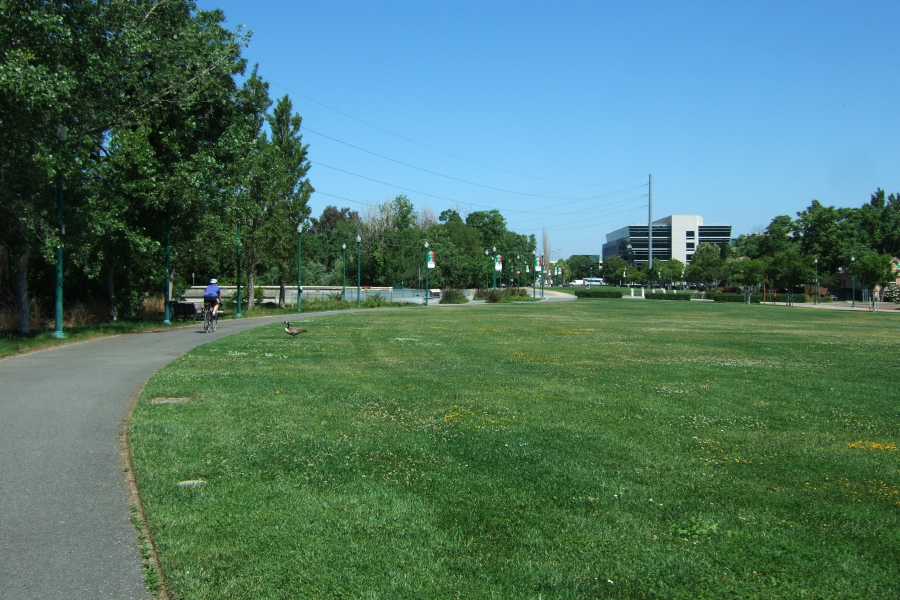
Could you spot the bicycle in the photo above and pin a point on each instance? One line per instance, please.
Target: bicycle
(210, 320)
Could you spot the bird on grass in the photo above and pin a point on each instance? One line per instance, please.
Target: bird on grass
(292, 331)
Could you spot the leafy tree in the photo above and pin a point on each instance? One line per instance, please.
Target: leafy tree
(706, 265)
(287, 193)
(749, 274)
(580, 266)
(650, 274)
(873, 269)
(614, 269)
(491, 225)
(671, 270)
(789, 269)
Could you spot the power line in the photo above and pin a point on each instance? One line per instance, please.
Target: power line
(412, 141)
(481, 185)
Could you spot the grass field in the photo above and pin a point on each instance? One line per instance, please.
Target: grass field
(590, 449)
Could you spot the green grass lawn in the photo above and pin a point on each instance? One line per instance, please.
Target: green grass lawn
(591, 449)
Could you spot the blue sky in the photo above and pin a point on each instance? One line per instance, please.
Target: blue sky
(555, 113)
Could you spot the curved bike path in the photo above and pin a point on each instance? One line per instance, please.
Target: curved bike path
(65, 516)
(65, 519)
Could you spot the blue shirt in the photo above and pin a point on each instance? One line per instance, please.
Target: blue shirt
(212, 291)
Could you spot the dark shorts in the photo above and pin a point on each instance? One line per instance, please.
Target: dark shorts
(210, 300)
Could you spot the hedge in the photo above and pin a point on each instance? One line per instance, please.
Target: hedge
(597, 293)
(798, 297)
(671, 296)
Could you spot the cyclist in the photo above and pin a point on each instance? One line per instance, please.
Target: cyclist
(212, 296)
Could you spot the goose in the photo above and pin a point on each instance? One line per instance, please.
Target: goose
(292, 331)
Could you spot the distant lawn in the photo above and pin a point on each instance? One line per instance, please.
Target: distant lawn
(590, 449)
(12, 342)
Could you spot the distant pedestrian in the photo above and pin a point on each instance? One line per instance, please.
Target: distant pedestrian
(774, 297)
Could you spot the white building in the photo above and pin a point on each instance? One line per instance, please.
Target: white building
(675, 236)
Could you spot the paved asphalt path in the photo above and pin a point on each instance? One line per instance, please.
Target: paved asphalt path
(65, 530)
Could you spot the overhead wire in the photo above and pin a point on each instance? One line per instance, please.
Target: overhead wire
(423, 145)
(547, 212)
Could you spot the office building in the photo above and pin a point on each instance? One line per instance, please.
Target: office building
(675, 236)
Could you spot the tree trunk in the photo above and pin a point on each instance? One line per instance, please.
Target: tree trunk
(251, 301)
(111, 293)
(282, 294)
(6, 291)
(23, 303)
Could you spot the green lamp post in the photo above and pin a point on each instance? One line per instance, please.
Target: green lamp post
(238, 313)
(853, 278)
(299, 264)
(816, 293)
(427, 260)
(358, 269)
(344, 284)
(58, 330)
(494, 250)
(168, 263)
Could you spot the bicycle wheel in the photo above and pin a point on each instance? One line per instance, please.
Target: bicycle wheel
(215, 321)
(207, 320)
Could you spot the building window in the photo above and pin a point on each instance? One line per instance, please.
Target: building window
(690, 245)
(690, 235)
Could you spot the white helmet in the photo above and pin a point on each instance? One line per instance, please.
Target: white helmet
(213, 281)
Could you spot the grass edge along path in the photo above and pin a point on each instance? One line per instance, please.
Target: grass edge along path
(572, 450)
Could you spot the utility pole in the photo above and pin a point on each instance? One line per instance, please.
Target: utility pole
(650, 227)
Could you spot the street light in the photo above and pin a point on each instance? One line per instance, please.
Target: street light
(344, 284)
(486, 255)
(494, 250)
(518, 273)
(427, 256)
(816, 296)
(358, 269)
(239, 302)
(853, 278)
(299, 263)
(58, 332)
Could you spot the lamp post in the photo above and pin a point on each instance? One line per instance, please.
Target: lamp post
(853, 278)
(168, 262)
(816, 293)
(238, 313)
(299, 263)
(427, 256)
(488, 260)
(358, 269)
(58, 331)
(344, 284)
(534, 278)
(625, 276)
(494, 250)
(543, 274)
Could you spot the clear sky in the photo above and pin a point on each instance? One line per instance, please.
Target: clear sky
(555, 113)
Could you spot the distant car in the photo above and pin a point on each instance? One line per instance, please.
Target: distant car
(577, 282)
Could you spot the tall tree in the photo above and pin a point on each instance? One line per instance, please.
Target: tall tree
(288, 190)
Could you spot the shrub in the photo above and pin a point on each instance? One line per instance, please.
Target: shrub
(492, 296)
(374, 301)
(675, 296)
(729, 297)
(598, 293)
(453, 296)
